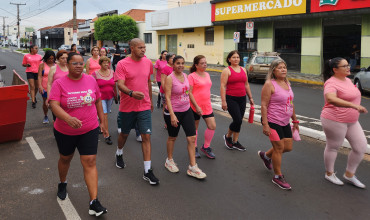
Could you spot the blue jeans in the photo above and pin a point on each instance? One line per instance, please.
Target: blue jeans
(353, 63)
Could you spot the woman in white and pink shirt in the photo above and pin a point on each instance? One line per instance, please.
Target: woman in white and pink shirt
(339, 119)
(178, 112)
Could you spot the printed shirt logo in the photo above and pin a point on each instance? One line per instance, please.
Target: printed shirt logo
(328, 2)
(289, 104)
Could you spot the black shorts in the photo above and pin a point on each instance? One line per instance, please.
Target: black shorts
(282, 131)
(197, 117)
(186, 120)
(87, 144)
(34, 76)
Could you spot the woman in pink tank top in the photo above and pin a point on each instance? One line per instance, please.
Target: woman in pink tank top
(92, 64)
(277, 109)
(57, 71)
(200, 91)
(44, 68)
(178, 113)
(234, 88)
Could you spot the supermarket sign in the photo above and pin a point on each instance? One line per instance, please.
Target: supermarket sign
(336, 5)
(241, 9)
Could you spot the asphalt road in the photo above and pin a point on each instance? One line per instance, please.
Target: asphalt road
(237, 185)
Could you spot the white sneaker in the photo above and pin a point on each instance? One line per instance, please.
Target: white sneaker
(196, 172)
(119, 130)
(354, 181)
(334, 179)
(171, 166)
(139, 139)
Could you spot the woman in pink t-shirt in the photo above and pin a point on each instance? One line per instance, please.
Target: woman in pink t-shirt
(44, 69)
(200, 91)
(276, 111)
(339, 119)
(75, 100)
(92, 64)
(32, 61)
(104, 78)
(178, 113)
(234, 90)
(158, 67)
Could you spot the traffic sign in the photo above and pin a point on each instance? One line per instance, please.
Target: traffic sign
(236, 37)
(249, 29)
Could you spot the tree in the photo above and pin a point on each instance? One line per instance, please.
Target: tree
(115, 28)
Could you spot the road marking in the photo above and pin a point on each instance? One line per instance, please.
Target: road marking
(68, 209)
(35, 148)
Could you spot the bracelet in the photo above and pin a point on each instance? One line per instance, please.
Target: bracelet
(295, 122)
(130, 93)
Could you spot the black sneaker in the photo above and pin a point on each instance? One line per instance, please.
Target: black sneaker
(108, 140)
(228, 142)
(150, 177)
(62, 191)
(33, 104)
(96, 208)
(238, 146)
(119, 161)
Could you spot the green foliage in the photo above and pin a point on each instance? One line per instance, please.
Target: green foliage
(116, 28)
(24, 40)
(46, 49)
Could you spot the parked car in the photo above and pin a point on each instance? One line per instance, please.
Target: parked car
(125, 49)
(259, 64)
(362, 80)
(64, 47)
(80, 49)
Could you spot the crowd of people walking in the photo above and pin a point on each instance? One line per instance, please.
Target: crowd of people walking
(80, 103)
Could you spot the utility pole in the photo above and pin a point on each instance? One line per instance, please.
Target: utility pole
(18, 21)
(4, 26)
(74, 22)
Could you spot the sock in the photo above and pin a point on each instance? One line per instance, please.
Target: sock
(64, 182)
(119, 151)
(266, 157)
(208, 135)
(167, 160)
(196, 138)
(147, 165)
(276, 176)
(92, 201)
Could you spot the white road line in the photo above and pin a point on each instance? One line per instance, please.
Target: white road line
(68, 209)
(35, 148)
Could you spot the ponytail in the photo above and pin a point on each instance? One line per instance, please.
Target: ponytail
(328, 67)
(196, 60)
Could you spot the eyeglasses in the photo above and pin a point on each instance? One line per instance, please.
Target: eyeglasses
(77, 63)
(345, 66)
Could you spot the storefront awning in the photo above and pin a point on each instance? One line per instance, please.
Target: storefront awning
(83, 34)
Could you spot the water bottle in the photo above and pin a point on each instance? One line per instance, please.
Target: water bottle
(251, 114)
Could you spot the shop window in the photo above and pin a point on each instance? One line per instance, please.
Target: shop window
(288, 44)
(190, 45)
(148, 38)
(209, 33)
(188, 30)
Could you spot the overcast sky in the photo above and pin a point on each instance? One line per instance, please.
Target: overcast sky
(62, 12)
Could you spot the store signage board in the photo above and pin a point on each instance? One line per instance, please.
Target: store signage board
(335, 5)
(242, 9)
(236, 37)
(249, 29)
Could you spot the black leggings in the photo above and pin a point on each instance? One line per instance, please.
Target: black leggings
(159, 94)
(236, 107)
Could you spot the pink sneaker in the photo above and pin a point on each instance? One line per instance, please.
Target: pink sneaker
(281, 182)
(266, 162)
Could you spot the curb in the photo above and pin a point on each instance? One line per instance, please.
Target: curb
(308, 132)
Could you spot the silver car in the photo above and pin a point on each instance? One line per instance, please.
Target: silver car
(259, 64)
(362, 80)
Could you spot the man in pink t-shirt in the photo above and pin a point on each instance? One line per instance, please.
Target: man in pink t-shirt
(133, 79)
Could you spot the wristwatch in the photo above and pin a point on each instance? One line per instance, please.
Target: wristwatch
(130, 93)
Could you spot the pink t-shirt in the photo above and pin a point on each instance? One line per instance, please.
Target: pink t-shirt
(167, 70)
(77, 98)
(201, 92)
(280, 108)
(59, 73)
(106, 84)
(180, 94)
(159, 65)
(236, 83)
(34, 60)
(136, 75)
(45, 74)
(94, 65)
(344, 90)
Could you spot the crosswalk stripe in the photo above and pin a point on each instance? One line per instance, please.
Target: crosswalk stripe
(35, 148)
